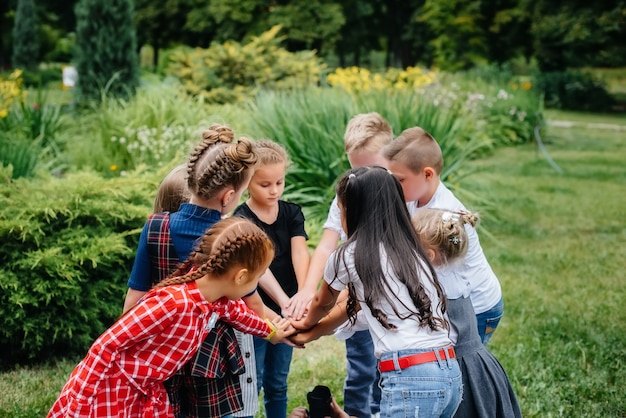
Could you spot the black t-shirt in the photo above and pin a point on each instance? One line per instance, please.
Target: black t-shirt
(288, 224)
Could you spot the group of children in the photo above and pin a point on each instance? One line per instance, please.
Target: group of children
(409, 285)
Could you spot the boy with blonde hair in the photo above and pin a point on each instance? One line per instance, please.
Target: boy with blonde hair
(415, 158)
(364, 139)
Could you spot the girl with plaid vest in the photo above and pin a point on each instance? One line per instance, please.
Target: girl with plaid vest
(218, 171)
(124, 370)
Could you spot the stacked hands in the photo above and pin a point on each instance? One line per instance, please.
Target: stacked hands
(302, 330)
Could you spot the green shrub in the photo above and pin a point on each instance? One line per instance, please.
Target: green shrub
(574, 90)
(232, 72)
(28, 131)
(154, 127)
(25, 43)
(66, 250)
(106, 49)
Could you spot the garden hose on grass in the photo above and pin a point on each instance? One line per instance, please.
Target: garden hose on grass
(543, 148)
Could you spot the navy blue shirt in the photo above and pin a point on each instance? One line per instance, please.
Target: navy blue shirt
(187, 226)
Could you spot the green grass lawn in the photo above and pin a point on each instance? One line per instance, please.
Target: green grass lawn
(558, 245)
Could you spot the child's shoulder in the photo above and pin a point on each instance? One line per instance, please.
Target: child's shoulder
(289, 206)
(444, 198)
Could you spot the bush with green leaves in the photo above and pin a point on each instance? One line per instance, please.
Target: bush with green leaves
(106, 54)
(157, 125)
(574, 90)
(233, 72)
(25, 45)
(66, 250)
(28, 130)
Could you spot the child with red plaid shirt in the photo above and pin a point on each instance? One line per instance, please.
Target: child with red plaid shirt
(124, 370)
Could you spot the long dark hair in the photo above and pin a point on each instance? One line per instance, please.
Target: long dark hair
(376, 215)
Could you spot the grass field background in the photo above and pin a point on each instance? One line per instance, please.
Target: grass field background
(558, 244)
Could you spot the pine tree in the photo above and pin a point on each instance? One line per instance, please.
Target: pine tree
(106, 55)
(25, 46)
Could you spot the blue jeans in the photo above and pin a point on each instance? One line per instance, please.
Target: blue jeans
(488, 321)
(361, 393)
(432, 389)
(275, 359)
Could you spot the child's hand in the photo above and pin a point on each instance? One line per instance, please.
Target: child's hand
(283, 329)
(303, 337)
(336, 410)
(299, 412)
(301, 324)
(298, 304)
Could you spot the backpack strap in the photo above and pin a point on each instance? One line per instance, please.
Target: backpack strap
(163, 257)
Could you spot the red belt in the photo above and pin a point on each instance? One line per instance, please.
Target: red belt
(415, 359)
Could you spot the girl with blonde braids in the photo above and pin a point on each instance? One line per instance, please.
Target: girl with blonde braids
(487, 391)
(124, 370)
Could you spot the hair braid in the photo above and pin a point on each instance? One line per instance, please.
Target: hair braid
(231, 243)
(224, 166)
(215, 135)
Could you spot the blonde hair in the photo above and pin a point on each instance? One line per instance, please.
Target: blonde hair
(416, 149)
(172, 191)
(271, 152)
(218, 162)
(443, 231)
(231, 243)
(367, 131)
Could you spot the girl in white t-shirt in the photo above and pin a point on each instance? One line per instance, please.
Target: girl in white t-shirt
(388, 276)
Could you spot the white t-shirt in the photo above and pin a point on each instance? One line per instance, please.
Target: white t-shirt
(333, 221)
(474, 276)
(409, 334)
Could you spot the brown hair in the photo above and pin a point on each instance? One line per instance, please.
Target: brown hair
(218, 162)
(443, 231)
(416, 149)
(172, 191)
(367, 131)
(231, 243)
(271, 152)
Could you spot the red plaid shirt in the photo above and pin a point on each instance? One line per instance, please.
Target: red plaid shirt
(123, 372)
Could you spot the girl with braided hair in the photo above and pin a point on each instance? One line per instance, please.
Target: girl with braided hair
(220, 380)
(124, 370)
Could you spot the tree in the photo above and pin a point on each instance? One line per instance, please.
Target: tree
(106, 54)
(25, 46)
(459, 30)
(161, 24)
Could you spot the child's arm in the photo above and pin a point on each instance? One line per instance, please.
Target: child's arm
(300, 300)
(132, 297)
(270, 285)
(300, 259)
(242, 318)
(323, 301)
(337, 316)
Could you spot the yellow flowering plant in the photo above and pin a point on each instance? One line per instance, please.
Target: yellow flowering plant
(11, 92)
(357, 79)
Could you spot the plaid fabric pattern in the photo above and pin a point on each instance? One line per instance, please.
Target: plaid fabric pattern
(122, 373)
(163, 257)
(209, 386)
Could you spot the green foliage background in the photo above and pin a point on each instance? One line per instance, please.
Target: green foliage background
(105, 54)
(67, 248)
(25, 46)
